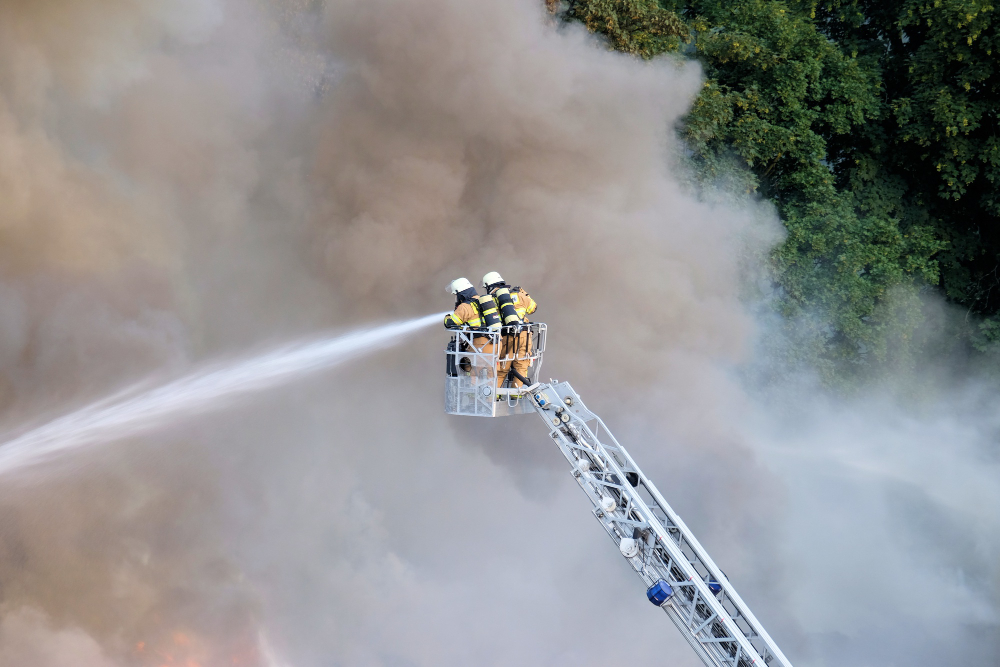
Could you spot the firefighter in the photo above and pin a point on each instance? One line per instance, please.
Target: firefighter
(472, 310)
(514, 305)
(479, 313)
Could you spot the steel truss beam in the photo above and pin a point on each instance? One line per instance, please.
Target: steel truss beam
(704, 606)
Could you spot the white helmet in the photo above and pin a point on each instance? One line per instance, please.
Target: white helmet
(491, 278)
(459, 285)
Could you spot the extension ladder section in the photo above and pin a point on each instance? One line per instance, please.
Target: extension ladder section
(679, 575)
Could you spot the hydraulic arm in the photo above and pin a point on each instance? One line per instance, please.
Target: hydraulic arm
(679, 575)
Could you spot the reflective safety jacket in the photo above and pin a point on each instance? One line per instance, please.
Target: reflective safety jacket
(523, 303)
(465, 313)
(481, 312)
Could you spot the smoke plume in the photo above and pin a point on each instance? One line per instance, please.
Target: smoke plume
(187, 179)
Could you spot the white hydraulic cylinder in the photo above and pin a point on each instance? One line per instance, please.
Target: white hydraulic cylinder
(702, 603)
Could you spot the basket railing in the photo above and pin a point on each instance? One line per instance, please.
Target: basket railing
(484, 368)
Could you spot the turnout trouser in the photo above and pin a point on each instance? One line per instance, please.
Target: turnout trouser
(515, 351)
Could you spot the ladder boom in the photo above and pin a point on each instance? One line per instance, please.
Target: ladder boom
(701, 601)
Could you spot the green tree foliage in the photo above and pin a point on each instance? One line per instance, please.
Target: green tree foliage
(639, 27)
(779, 93)
(937, 135)
(872, 126)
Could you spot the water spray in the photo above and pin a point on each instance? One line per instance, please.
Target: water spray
(139, 409)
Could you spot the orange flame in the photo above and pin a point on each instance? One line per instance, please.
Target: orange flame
(185, 649)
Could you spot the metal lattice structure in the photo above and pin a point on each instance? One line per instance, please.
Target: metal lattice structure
(472, 359)
(679, 575)
(704, 605)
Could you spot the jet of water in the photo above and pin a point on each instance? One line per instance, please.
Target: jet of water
(135, 411)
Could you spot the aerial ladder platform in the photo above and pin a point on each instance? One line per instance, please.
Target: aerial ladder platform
(679, 575)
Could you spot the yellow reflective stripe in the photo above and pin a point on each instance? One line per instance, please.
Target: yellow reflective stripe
(472, 322)
(521, 309)
(486, 308)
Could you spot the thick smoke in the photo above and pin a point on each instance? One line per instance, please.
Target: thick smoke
(184, 179)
